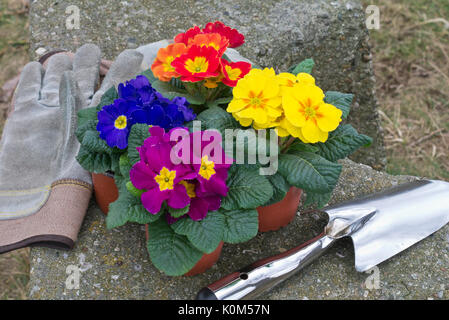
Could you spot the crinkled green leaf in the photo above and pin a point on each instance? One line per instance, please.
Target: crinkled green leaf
(93, 162)
(342, 101)
(309, 171)
(87, 114)
(247, 189)
(176, 213)
(138, 134)
(94, 143)
(305, 66)
(301, 146)
(170, 252)
(205, 234)
(108, 98)
(89, 125)
(280, 188)
(217, 118)
(318, 199)
(128, 208)
(240, 225)
(133, 190)
(124, 165)
(342, 142)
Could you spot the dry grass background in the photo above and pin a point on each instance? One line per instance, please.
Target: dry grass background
(411, 62)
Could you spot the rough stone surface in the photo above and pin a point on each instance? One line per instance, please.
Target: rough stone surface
(278, 34)
(114, 264)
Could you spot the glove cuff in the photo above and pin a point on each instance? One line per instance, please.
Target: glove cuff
(57, 222)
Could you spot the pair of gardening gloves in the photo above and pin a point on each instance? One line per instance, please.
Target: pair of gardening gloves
(44, 192)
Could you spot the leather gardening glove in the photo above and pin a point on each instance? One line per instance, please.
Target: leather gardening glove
(44, 192)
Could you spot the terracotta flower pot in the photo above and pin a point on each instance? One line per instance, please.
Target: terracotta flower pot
(279, 214)
(206, 262)
(105, 190)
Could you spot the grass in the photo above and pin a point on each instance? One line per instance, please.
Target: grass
(411, 63)
(14, 45)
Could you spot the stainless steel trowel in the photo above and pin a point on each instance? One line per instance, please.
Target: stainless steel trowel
(380, 225)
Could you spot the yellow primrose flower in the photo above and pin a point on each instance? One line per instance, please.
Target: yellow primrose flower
(307, 116)
(256, 99)
(289, 80)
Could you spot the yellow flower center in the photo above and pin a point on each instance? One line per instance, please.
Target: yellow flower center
(165, 179)
(233, 74)
(255, 101)
(308, 110)
(167, 64)
(120, 122)
(207, 168)
(198, 65)
(190, 187)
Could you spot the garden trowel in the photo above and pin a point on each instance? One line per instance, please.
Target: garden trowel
(380, 225)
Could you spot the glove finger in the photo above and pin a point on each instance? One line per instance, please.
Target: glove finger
(71, 99)
(57, 65)
(125, 67)
(235, 56)
(86, 64)
(29, 85)
(149, 52)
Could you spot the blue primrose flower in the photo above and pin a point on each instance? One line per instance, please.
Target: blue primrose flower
(115, 121)
(139, 102)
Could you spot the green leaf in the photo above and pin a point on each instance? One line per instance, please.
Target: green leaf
(128, 208)
(94, 143)
(133, 190)
(93, 162)
(218, 102)
(139, 132)
(305, 66)
(247, 189)
(170, 252)
(342, 101)
(169, 91)
(108, 98)
(309, 171)
(318, 199)
(240, 225)
(217, 118)
(87, 114)
(124, 165)
(205, 234)
(301, 146)
(280, 188)
(176, 213)
(115, 163)
(149, 75)
(89, 125)
(342, 142)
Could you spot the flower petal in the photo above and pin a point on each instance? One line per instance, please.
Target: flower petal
(328, 117)
(178, 197)
(313, 133)
(152, 199)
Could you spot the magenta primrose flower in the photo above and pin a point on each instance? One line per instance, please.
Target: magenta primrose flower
(200, 185)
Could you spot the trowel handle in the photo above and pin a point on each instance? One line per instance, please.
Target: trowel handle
(263, 275)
